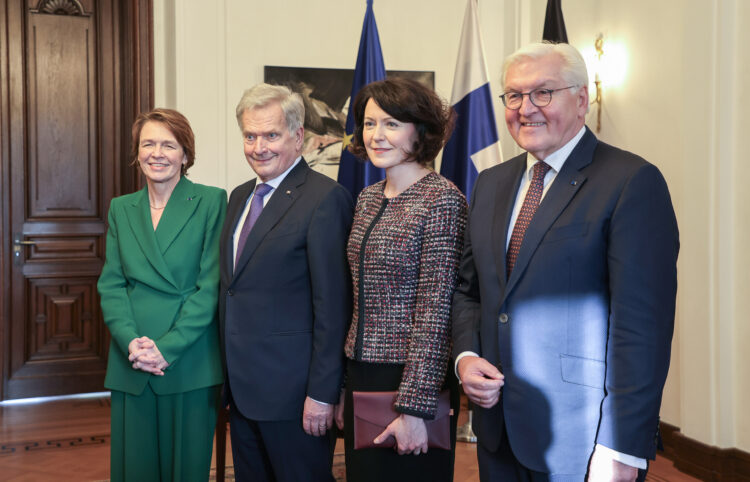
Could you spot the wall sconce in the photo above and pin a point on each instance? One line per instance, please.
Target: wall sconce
(607, 66)
(598, 46)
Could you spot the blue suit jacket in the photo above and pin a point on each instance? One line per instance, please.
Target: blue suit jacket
(583, 326)
(285, 309)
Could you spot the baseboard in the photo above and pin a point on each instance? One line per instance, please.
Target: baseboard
(703, 461)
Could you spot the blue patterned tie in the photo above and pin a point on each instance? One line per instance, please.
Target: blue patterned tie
(256, 206)
(528, 209)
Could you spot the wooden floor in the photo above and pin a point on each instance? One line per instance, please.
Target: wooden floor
(68, 440)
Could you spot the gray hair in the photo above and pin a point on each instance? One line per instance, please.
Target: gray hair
(262, 95)
(574, 67)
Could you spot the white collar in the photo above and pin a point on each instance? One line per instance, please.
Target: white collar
(274, 183)
(557, 158)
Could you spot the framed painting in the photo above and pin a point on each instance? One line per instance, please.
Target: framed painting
(325, 93)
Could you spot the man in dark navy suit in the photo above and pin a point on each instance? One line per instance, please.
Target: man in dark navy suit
(285, 299)
(564, 313)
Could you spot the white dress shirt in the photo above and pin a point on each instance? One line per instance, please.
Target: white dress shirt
(555, 161)
(273, 183)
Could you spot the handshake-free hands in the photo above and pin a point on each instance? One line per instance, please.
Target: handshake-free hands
(145, 356)
(481, 380)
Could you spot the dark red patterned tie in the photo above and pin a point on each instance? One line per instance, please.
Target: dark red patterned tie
(528, 208)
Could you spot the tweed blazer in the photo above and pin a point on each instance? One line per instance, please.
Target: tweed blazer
(404, 254)
(164, 284)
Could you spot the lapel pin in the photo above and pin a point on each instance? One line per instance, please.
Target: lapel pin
(190, 198)
(573, 183)
(288, 192)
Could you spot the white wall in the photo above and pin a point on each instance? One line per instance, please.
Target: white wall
(740, 98)
(205, 58)
(680, 107)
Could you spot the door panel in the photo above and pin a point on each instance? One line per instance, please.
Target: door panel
(62, 123)
(63, 322)
(71, 87)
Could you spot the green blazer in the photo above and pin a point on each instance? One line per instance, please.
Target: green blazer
(164, 284)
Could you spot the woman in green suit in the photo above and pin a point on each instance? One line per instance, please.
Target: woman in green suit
(158, 290)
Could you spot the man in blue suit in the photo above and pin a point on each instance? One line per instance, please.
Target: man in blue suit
(564, 313)
(285, 298)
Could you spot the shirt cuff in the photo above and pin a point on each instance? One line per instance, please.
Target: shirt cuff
(458, 358)
(626, 459)
(322, 403)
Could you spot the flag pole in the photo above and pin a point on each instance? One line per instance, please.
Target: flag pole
(356, 174)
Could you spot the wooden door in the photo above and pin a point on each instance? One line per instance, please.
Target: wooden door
(74, 75)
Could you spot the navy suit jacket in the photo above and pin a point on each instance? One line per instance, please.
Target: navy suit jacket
(285, 309)
(582, 329)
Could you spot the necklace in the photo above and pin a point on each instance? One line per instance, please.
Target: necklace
(154, 207)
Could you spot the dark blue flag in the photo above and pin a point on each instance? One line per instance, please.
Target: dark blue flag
(355, 174)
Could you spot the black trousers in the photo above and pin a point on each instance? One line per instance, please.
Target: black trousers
(385, 464)
(277, 451)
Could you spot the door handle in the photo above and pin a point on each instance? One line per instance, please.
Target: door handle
(19, 241)
(17, 247)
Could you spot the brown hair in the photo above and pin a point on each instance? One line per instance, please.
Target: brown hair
(407, 101)
(177, 124)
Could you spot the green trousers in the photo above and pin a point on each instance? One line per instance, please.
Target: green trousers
(163, 437)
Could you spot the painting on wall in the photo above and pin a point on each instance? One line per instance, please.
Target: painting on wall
(325, 93)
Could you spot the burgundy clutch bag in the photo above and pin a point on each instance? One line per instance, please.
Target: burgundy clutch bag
(373, 411)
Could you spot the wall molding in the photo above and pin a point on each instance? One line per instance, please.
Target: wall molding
(703, 461)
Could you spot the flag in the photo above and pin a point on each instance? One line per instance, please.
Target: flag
(554, 25)
(355, 174)
(474, 144)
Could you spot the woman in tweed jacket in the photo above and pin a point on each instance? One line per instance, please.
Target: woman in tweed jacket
(403, 251)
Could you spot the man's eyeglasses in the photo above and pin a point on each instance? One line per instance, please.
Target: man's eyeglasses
(538, 97)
